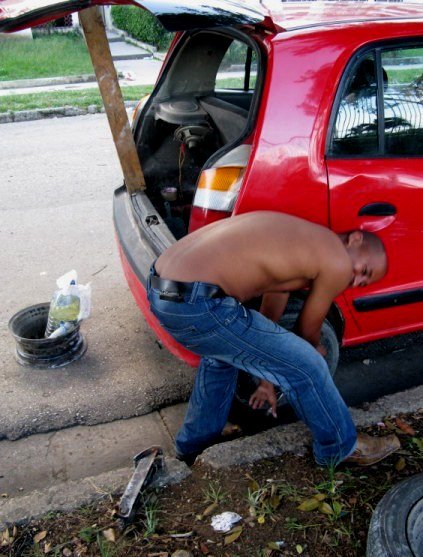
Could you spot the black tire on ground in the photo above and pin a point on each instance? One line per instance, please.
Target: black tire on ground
(247, 384)
(396, 526)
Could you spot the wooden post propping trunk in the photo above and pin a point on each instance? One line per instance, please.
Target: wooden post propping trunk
(98, 46)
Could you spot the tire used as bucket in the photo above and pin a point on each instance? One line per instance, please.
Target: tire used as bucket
(32, 349)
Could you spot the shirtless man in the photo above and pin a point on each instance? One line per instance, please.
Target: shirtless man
(197, 289)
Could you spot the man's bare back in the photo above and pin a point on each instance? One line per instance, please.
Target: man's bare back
(257, 252)
(268, 253)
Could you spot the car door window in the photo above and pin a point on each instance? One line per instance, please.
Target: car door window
(238, 69)
(356, 130)
(403, 101)
(381, 112)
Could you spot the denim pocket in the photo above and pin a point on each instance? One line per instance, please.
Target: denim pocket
(181, 333)
(226, 310)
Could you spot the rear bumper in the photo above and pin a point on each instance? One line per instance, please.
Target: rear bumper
(142, 236)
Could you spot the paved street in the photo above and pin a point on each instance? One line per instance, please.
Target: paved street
(57, 181)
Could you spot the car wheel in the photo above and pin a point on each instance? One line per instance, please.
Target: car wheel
(247, 383)
(396, 526)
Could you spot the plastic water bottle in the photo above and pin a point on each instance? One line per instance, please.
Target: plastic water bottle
(64, 327)
(64, 308)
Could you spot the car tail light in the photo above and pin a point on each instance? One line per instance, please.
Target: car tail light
(218, 188)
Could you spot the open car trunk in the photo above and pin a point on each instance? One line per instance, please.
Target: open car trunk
(202, 108)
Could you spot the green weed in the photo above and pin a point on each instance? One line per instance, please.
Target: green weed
(214, 493)
(151, 520)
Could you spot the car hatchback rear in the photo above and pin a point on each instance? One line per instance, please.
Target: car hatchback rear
(240, 120)
(310, 108)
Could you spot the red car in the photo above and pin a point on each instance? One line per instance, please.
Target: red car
(309, 108)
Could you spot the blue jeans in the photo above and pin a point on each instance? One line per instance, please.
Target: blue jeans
(230, 337)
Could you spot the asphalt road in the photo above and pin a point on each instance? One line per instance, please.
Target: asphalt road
(56, 186)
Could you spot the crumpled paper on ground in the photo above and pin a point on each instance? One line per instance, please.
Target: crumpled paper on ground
(223, 522)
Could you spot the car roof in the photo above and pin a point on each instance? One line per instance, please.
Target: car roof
(299, 15)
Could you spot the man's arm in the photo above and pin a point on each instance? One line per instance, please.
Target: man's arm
(273, 304)
(322, 293)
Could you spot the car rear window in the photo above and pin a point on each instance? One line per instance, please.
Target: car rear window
(238, 69)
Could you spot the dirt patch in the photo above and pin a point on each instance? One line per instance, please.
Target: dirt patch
(288, 505)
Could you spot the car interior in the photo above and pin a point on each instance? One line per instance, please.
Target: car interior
(199, 109)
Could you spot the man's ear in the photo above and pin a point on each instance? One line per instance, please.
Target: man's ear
(355, 238)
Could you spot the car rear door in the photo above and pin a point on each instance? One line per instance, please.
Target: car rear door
(375, 172)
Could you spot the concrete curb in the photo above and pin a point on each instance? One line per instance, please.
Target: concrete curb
(57, 112)
(295, 438)
(70, 495)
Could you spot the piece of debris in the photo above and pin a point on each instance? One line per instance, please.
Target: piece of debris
(223, 522)
(182, 553)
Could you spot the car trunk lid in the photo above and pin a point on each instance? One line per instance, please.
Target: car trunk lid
(174, 16)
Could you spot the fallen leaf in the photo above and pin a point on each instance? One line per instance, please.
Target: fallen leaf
(389, 425)
(325, 508)
(110, 535)
(5, 537)
(210, 509)
(400, 464)
(309, 504)
(275, 502)
(253, 486)
(47, 547)
(406, 428)
(337, 507)
(40, 536)
(299, 549)
(204, 549)
(276, 546)
(67, 552)
(418, 441)
(319, 496)
(233, 535)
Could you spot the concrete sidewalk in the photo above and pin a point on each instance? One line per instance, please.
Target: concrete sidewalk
(62, 471)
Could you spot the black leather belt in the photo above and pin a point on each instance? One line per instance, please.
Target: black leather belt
(174, 291)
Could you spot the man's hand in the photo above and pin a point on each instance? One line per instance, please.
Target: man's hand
(265, 392)
(322, 350)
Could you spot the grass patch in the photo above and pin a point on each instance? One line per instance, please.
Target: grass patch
(47, 56)
(235, 82)
(81, 98)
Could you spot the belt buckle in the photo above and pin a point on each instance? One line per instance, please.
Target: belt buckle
(171, 297)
